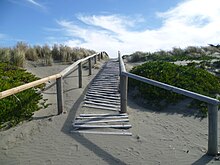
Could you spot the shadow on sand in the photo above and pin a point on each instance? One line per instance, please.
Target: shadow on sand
(67, 127)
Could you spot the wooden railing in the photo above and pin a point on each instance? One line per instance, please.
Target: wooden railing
(59, 79)
(212, 103)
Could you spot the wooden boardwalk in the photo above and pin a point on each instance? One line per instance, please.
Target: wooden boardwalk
(101, 106)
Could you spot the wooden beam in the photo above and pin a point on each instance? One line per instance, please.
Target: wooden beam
(102, 133)
(101, 104)
(90, 98)
(28, 85)
(90, 66)
(103, 101)
(104, 114)
(103, 126)
(101, 107)
(80, 74)
(102, 121)
(102, 117)
(60, 102)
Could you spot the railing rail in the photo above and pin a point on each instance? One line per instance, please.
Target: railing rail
(212, 103)
(59, 80)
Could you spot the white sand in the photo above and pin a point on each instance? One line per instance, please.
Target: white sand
(158, 138)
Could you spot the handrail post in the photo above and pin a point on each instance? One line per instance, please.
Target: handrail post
(90, 66)
(123, 87)
(123, 93)
(213, 129)
(99, 57)
(59, 85)
(95, 59)
(80, 74)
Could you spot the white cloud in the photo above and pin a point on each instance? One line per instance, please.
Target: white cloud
(35, 3)
(192, 22)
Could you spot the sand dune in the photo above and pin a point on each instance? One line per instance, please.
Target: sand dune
(166, 137)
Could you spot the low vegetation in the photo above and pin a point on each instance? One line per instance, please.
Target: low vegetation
(18, 107)
(187, 77)
(177, 54)
(42, 54)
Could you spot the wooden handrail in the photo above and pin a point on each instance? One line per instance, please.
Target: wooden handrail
(27, 86)
(212, 103)
(59, 80)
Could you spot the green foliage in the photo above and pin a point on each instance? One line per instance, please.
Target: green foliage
(31, 54)
(20, 106)
(177, 54)
(45, 55)
(186, 77)
(18, 57)
(137, 57)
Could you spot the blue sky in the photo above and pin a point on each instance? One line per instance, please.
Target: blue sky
(111, 25)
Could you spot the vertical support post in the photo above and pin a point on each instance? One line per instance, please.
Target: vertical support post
(99, 57)
(123, 92)
(213, 130)
(59, 85)
(95, 59)
(119, 60)
(90, 66)
(80, 74)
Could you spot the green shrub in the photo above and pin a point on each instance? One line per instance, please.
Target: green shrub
(18, 107)
(137, 57)
(18, 57)
(186, 77)
(31, 54)
(5, 55)
(47, 55)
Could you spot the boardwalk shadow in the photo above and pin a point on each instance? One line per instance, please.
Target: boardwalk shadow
(205, 159)
(67, 127)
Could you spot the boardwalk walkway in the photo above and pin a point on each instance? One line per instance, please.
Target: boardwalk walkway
(100, 111)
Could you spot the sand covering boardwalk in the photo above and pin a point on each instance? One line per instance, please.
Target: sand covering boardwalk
(101, 106)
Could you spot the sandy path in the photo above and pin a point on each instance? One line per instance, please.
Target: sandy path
(158, 138)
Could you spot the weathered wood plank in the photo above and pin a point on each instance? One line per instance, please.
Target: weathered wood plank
(27, 86)
(102, 133)
(104, 94)
(101, 96)
(103, 126)
(101, 107)
(102, 121)
(104, 101)
(104, 114)
(101, 117)
(101, 104)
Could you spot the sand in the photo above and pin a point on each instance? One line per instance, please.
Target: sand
(171, 136)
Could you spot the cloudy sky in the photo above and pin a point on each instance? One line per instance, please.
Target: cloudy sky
(111, 25)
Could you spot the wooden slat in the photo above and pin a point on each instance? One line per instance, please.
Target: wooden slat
(104, 94)
(100, 107)
(103, 89)
(100, 96)
(103, 126)
(103, 101)
(104, 114)
(101, 104)
(102, 133)
(102, 121)
(101, 117)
